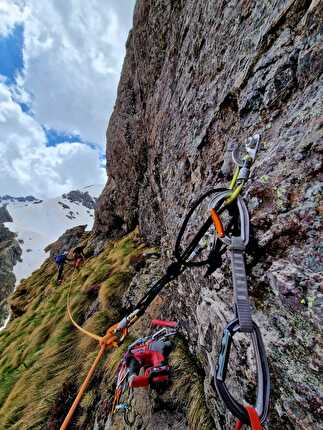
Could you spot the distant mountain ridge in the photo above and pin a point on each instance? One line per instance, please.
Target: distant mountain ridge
(77, 196)
(27, 199)
(29, 225)
(38, 223)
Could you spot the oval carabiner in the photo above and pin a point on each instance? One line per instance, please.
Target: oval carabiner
(263, 378)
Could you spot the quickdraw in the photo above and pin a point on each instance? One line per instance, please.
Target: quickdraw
(225, 237)
(242, 323)
(235, 238)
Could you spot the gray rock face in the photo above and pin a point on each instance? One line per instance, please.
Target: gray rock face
(10, 253)
(5, 215)
(77, 196)
(198, 76)
(68, 240)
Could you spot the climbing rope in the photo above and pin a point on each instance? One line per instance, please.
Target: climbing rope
(69, 312)
(109, 340)
(234, 236)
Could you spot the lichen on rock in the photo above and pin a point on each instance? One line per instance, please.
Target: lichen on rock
(10, 253)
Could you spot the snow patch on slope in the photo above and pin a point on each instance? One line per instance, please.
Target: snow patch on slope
(38, 223)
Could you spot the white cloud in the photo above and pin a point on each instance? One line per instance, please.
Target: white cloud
(28, 166)
(73, 52)
(11, 14)
(73, 55)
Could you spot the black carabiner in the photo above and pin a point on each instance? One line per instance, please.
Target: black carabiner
(263, 378)
(183, 256)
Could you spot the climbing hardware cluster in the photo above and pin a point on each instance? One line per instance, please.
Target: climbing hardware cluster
(150, 354)
(225, 227)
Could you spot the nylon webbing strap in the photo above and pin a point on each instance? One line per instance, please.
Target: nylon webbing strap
(240, 285)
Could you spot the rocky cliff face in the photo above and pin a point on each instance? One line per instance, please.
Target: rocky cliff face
(67, 241)
(10, 253)
(199, 75)
(5, 215)
(77, 196)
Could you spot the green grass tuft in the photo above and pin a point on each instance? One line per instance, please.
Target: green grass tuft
(42, 352)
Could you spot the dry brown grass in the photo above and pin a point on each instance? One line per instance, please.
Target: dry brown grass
(44, 359)
(41, 351)
(187, 386)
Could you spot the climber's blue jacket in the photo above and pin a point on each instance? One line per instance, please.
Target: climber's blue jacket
(60, 259)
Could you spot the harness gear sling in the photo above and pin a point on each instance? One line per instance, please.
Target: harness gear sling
(152, 355)
(255, 422)
(224, 199)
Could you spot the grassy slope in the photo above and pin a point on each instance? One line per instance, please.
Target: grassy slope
(43, 358)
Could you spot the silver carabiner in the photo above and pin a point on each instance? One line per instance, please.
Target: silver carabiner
(251, 147)
(263, 377)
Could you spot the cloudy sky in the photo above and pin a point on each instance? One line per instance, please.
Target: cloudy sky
(60, 62)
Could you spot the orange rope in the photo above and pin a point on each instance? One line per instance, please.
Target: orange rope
(82, 389)
(109, 340)
(69, 312)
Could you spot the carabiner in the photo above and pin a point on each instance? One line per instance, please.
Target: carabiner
(263, 378)
(243, 214)
(242, 172)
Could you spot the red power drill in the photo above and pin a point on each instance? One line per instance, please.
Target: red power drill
(152, 356)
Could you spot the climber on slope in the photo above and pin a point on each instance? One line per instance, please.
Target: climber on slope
(60, 260)
(78, 256)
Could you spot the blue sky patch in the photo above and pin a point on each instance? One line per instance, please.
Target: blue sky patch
(55, 137)
(11, 55)
(25, 108)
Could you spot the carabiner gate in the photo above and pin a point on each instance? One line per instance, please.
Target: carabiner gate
(252, 147)
(263, 378)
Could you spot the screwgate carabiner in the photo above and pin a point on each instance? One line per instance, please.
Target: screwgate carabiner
(263, 378)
